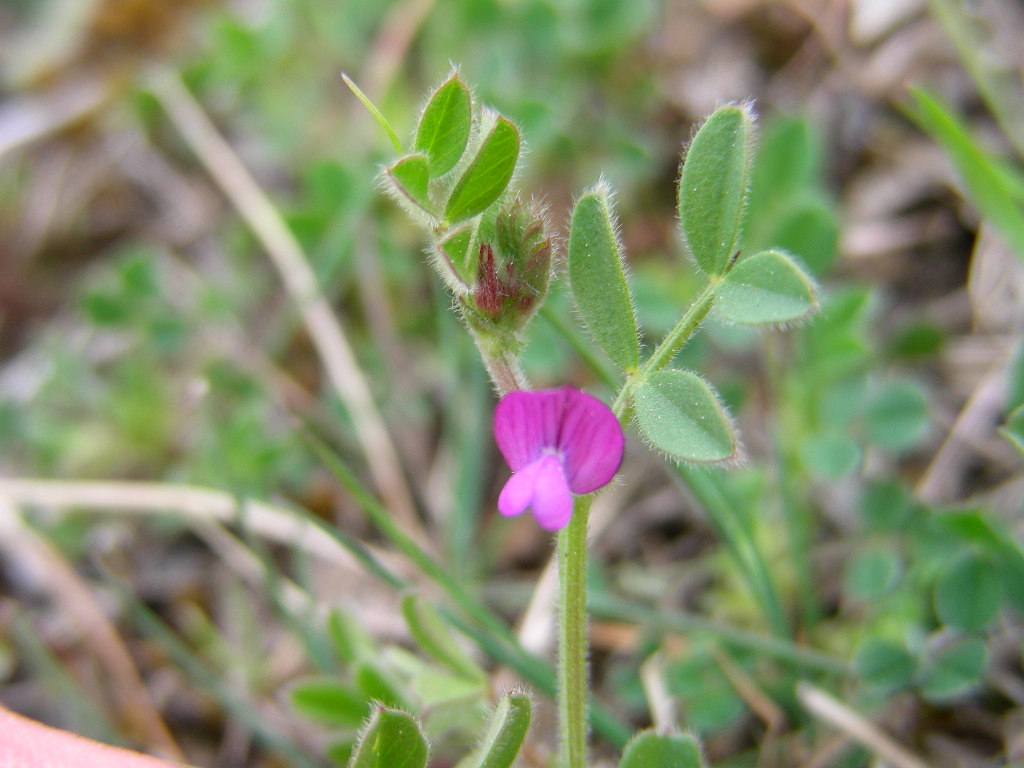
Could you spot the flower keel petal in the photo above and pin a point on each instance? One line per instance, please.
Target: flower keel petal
(517, 494)
(552, 499)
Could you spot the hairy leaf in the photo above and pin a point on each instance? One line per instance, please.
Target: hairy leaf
(443, 130)
(486, 178)
(680, 414)
(599, 280)
(713, 187)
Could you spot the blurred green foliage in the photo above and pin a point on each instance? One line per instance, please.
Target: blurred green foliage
(159, 367)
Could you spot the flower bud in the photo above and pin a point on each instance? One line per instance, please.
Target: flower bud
(513, 266)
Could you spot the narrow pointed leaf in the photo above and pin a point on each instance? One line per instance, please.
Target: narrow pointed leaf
(372, 108)
(410, 179)
(505, 734)
(443, 129)
(680, 414)
(599, 280)
(486, 178)
(766, 288)
(984, 179)
(434, 637)
(349, 639)
(713, 187)
(654, 750)
(391, 739)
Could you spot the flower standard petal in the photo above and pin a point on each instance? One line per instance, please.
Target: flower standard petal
(517, 494)
(552, 499)
(591, 442)
(526, 423)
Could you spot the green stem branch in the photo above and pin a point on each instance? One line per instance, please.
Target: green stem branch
(572, 636)
(683, 331)
(672, 343)
(501, 359)
(572, 558)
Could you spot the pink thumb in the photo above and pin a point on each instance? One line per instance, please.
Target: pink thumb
(25, 743)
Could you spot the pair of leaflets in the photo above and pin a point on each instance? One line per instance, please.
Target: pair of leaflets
(678, 411)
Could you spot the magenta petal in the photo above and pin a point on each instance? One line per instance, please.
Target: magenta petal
(517, 494)
(526, 423)
(552, 500)
(591, 442)
(558, 442)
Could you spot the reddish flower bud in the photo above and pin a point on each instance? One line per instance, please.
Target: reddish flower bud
(513, 266)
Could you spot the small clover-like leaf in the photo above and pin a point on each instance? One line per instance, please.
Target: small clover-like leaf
(656, 750)
(897, 415)
(713, 186)
(969, 593)
(680, 414)
(443, 130)
(409, 181)
(391, 739)
(884, 664)
(505, 734)
(486, 178)
(599, 281)
(768, 287)
(954, 670)
(871, 574)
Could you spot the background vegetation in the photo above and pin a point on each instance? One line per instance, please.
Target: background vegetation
(183, 571)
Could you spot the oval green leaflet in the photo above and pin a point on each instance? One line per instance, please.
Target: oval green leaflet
(649, 749)
(599, 281)
(487, 177)
(409, 183)
(443, 130)
(680, 413)
(713, 187)
(768, 287)
(391, 739)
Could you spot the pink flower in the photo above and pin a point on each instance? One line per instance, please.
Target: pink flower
(558, 442)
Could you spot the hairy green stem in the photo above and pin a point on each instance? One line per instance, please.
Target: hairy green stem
(672, 343)
(572, 637)
(572, 559)
(683, 331)
(502, 364)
